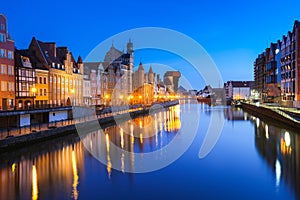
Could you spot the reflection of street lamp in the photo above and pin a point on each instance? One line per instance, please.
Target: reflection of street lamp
(33, 90)
(73, 92)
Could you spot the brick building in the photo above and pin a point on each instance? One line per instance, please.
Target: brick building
(7, 79)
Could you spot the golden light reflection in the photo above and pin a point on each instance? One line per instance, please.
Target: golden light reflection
(131, 134)
(267, 131)
(141, 138)
(123, 162)
(108, 168)
(35, 190)
(75, 176)
(284, 148)
(122, 138)
(107, 142)
(13, 167)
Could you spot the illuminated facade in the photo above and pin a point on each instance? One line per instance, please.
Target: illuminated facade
(42, 88)
(111, 80)
(237, 90)
(25, 81)
(144, 85)
(65, 78)
(278, 67)
(7, 78)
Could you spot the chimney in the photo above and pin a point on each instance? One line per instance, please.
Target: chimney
(52, 49)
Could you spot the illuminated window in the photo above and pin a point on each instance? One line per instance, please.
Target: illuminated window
(3, 86)
(11, 86)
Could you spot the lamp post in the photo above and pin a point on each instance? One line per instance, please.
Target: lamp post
(73, 99)
(106, 98)
(33, 90)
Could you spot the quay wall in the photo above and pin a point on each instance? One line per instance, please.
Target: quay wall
(11, 143)
(270, 115)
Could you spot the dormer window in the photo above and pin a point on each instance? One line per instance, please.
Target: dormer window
(58, 66)
(62, 66)
(53, 65)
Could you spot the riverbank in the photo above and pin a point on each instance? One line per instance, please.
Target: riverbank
(13, 143)
(278, 115)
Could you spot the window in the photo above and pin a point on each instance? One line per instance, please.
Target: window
(10, 70)
(54, 79)
(45, 80)
(53, 65)
(41, 80)
(10, 86)
(58, 80)
(41, 92)
(2, 27)
(2, 53)
(50, 79)
(10, 55)
(3, 86)
(63, 91)
(2, 37)
(67, 81)
(62, 80)
(45, 92)
(3, 69)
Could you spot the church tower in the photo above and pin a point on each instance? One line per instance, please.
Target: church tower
(131, 65)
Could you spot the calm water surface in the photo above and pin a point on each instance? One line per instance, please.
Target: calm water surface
(252, 159)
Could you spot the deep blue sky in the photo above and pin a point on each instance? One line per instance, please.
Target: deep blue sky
(232, 32)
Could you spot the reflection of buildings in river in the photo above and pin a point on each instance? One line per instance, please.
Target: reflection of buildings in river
(235, 114)
(42, 174)
(137, 135)
(280, 149)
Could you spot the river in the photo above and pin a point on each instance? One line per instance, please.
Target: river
(252, 159)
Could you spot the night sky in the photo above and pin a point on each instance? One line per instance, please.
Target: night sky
(232, 32)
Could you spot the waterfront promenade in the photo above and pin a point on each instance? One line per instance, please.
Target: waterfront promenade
(41, 132)
(283, 115)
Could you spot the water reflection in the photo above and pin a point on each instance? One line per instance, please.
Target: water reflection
(43, 175)
(140, 135)
(57, 170)
(279, 147)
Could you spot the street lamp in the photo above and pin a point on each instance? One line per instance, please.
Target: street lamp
(106, 98)
(73, 100)
(33, 90)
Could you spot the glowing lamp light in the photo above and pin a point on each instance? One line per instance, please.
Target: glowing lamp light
(33, 90)
(287, 139)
